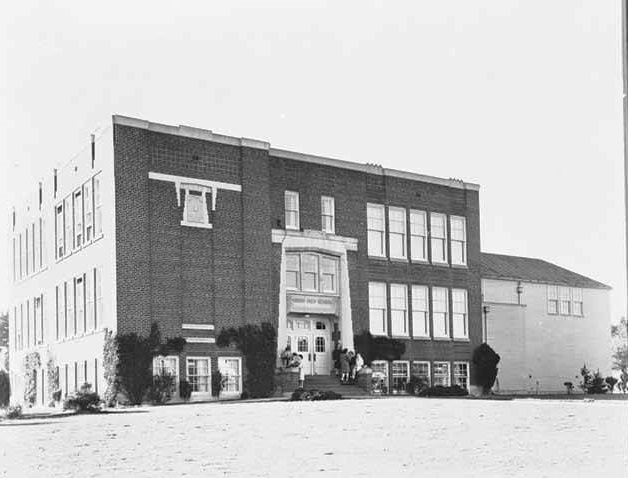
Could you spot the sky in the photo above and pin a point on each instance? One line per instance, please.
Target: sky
(523, 97)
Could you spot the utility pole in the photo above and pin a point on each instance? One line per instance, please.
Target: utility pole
(624, 48)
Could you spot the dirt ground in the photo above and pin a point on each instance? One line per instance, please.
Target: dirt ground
(385, 437)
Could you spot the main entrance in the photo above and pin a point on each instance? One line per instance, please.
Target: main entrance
(311, 337)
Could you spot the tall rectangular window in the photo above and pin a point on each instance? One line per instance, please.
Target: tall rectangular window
(398, 309)
(60, 310)
(14, 260)
(99, 305)
(42, 226)
(438, 229)
(577, 306)
(198, 373)
(461, 374)
(552, 299)
(231, 370)
(36, 315)
(440, 311)
(565, 300)
(397, 232)
(309, 272)
(441, 374)
(21, 257)
(376, 229)
(78, 218)
(418, 235)
(400, 375)
(460, 315)
(421, 370)
(88, 206)
(420, 311)
(291, 201)
(97, 206)
(36, 246)
(26, 254)
(293, 271)
(66, 305)
(70, 307)
(59, 231)
(328, 214)
(380, 376)
(89, 300)
(80, 304)
(28, 323)
(458, 240)
(329, 275)
(69, 225)
(377, 308)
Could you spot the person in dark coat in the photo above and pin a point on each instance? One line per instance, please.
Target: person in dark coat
(344, 366)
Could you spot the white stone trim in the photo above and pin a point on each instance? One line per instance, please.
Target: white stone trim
(316, 239)
(200, 340)
(183, 181)
(208, 135)
(198, 326)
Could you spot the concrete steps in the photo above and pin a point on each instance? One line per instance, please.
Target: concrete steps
(332, 383)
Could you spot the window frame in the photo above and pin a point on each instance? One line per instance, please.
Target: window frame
(238, 378)
(78, 219)
(328, 226)
(443, 239)
(436, 363)
(577, 311)
(393, 308)
(445, 313)
(552, 300)
(196, 190)
(423, 257)
(156, 369)
(97, 193)
(295, 196)
(564, 300)
(429, 370)
(377, 307)
(462, 243)
(464, 314)
(416, 311)
(455, 375)
(393, 234)
(393, 376)
(197, 394)
(386, 380)
(370, 231)
(88, 211)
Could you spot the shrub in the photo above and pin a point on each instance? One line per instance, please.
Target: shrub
(14, 411)
(378, 348)
(569, 387)
(623, 380)
(32, 362)
(302, 395)
(441, 391)
(592, 383)
(83, 401)
(217, 383)
(485, 360)
(611, 381)
(416, 385)
(110, 366)
(56, 396)
(5, 389)
(53, 377)
(162, 387)
(185, 390)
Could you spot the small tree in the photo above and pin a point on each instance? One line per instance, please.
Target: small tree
(485, 360)
(611, 381)
(592, 383)
(623, 380)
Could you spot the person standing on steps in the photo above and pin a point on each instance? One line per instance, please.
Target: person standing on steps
(301, 372)
(344, 366)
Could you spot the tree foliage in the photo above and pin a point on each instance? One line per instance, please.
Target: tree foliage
(619, 337)
(5, 389)
(485, 360)
(378, 348)
(4, 330)
(592, 383)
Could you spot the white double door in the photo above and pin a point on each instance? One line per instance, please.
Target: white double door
(311, 338)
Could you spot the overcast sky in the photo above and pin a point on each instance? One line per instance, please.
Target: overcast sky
(520, 96)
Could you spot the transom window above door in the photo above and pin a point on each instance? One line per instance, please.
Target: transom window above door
(312, 272)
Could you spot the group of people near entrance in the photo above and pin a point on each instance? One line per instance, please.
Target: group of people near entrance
(347, 364)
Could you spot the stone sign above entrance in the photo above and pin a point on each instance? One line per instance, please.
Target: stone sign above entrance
(308, 304)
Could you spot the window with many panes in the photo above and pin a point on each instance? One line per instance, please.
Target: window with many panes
(97, 206)
(377, 308)
(69, 223)
(398, 309)
(329, 274)
(380, 376)
(89, 300)
(461, 374)
(458, 240)
(231, 371)
(438, 230)
(88, 205)
(168, 366)
(59, 230)
(418, 235)
(420, 311)
(78, 218)
(576, 297)
(309, 272)
(440, 311)
(60, 313)
(80, 304)
(397, 232)
(564, 296)
(70, 307)
(552, 299)
(198, 374)
(421, 370)
(376, 230)
(293, 271)
(291, 201)
(99, 302)
(459, 313)
(328, 212)
(400, 372)
(441, 374)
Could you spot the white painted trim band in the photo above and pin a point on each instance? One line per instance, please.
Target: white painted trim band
(198, 326)
(200, 340)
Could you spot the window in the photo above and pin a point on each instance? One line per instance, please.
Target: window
(98, 290)
(42, 242)
(376, 229)
(400, 375)
(71, 320)
(380, 376)
(26, 244)
(458, 240)
(88, 205)
(14, 256)
(96, 375)
(66, 305)
(97, 207)
(78, 219)
(420, 312)
(293, 271)
(89, 300)
(167, 365)
(440, 308)
(329, 274)
(418, 235)
(36, 318)
(309, 272)
(439, 238)
(198, 373)
(28, 323)
(397, 232)
(59, 230)
(36, 246)
(60, 310)
(461, 374)
(291, 201)
(21, 258)
(552, 299)
(67, 221)
(80, 305)
(441, 374)
(565, 300)
(398, 309)
(230, 368)
(21, 337)
(195, 212)
(377, 308)
(577, 307)
(460, 321)
(328, 214)
(421, 370)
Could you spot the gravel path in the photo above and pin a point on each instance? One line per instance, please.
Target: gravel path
(390, 437)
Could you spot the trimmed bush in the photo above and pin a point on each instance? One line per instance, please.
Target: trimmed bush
(217, 383)
(185, 390)
(5, 389)
(416, 385)
(302, 395)
(611, 381)
(162, 388)
(14, 411)
(485, 360)
(83, 401)
(592, 383)
(441, 391)
(378, 348)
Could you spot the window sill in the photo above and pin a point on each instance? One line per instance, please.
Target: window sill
(378, 258)
(461, 339)
(443, 339)
(419, 261)
(460, 266)
(403, 260)
(404, 337)
(440, 264)
(422, 337)
(197, 225)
